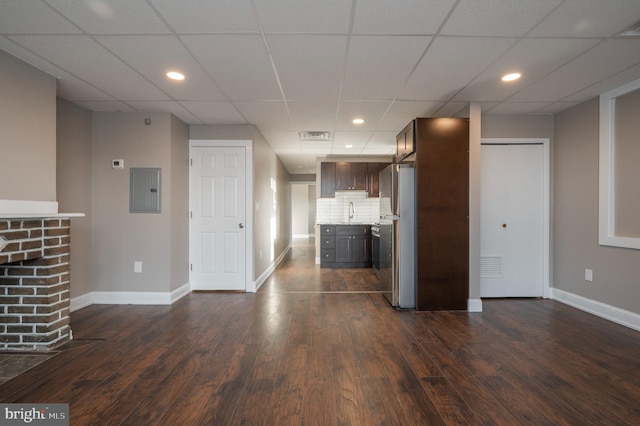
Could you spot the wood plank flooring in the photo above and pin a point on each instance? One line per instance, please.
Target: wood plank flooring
(322, 347)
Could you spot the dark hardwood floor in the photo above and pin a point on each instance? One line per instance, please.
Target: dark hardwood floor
(322, 347)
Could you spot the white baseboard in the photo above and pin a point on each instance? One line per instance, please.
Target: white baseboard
(129, 298)
(263, 277)
(474, 305)
(302, 236)
(602, 310)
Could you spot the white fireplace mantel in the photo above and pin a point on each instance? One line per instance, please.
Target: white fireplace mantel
(26, 209)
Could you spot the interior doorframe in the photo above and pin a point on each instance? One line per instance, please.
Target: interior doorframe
(250, 285)
(546, 201)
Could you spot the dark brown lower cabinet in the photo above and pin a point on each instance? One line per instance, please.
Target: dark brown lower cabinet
(345, 246)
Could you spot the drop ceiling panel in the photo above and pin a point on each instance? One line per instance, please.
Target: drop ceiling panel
(281, 140)
(315, 147)
(104, 70)
(533, 58)
(319, 60)
(371, 111)
(313, 116)
(383, 141)
(557, 107)
(107, 106)
(134, 50)
(266, 115)
(111, 17)
(451, 109)
(295, 16)
(239, 64)
(517, 107)
(450, 64)
(206, 16)
(496, 17)
(73, 89)
(173, 107)
(607, 84)
(377, 66)
(589, 18)
(401, 112)
(603, 61)
(37, 18)
(405, 17)
(214, 113)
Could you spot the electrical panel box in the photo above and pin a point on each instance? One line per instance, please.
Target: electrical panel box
(144, 190)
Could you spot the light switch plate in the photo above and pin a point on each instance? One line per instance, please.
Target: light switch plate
(137, 267)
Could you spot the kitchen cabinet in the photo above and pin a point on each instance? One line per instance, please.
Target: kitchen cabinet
(347, 176)
(405, 142)
(351, 176)
(327, 180)
(345, 246)
(373, 178)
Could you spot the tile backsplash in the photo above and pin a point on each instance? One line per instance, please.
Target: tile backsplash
(336, 210)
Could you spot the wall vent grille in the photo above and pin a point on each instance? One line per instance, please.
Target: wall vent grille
(491, 267)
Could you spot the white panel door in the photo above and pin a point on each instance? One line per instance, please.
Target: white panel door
(512, 220)
(217, 227)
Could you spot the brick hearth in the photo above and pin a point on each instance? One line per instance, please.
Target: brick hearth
(34, 283)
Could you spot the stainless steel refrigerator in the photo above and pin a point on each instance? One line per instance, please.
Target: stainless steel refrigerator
(398, 235)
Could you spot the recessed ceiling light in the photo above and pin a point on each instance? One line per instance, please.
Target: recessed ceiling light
(511, 77)
(348, 146)
(357, 121)
(174, 75)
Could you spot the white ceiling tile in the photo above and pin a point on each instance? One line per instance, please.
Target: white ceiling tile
(605, 60)
(206, 16)
(557, 107)
(214, 113)
(371, 111)
(239, 64)
(310, 67)
(281, 140)
(73, 89)
(355, 138)
(104, 70)
(383, 140)
(313, 116)
(450, 64)
(496, 17)
(304, 16)
(170, 106)
(266, 115)
(134, 50)
(315, 147)
(607, 84)
(35, 18)
(111, 17)
(589, 18)
(107, 106)
(508, 108)
(402, 112)
(533, 58)
(451, 109)
(377, 66)
(404, 17)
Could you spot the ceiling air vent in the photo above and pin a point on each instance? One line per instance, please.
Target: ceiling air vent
(315, 136)
(631, 31)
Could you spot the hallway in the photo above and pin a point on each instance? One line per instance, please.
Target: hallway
(293, 355)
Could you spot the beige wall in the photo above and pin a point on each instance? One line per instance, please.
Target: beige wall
(74, 188)
(616, 275)
(517, 126)
(28, 125)
(120, 237)
(179, 203)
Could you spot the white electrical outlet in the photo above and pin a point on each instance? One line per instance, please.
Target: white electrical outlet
(588, 275)
(137, 267)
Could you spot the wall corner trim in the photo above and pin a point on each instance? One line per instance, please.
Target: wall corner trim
(263, 277)
(474, 305)
(602, 310)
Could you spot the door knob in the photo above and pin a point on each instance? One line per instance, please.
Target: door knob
(504, 225)
(241, 225)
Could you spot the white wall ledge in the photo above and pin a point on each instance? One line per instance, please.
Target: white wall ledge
(39, 215)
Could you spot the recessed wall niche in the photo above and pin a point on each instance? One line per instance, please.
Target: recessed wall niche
(619, 172)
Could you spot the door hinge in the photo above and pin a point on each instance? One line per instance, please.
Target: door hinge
(191, 266)
(191, 215)
(191, 161)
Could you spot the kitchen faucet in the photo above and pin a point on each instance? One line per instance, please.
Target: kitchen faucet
(352, 211)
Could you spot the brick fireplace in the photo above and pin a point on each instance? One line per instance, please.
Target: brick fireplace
(34, 283)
